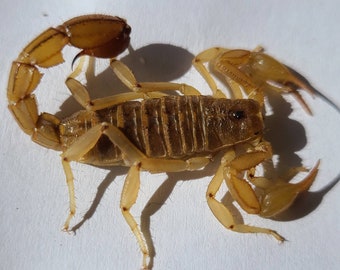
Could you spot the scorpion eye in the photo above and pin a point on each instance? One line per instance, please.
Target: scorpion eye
(237, 115)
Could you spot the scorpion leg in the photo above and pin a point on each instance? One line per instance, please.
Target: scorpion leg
(79, 148)
(81, 94)
(134, 158)
(132, 181)
(210, 56)
(222, 213)
(198, 63)
(128, 199)
(75, 153)
(127, 77)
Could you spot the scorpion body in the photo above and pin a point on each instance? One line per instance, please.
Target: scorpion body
(171, 127)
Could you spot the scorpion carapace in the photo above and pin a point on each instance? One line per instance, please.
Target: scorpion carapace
(149, 129)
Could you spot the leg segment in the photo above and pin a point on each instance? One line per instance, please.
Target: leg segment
(72, 198)
(128, 199)
(127, 77)
(75, 153)
(81, 94)
(206, 57)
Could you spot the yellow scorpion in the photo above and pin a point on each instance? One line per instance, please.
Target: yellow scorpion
(150, 129)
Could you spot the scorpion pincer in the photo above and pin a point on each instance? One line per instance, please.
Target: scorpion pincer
(150, 129)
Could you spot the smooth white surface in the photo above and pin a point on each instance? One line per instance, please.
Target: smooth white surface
(33, 196)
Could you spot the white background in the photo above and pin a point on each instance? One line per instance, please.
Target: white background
(166, 34)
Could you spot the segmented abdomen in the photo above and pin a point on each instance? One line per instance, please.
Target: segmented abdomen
(169, 127)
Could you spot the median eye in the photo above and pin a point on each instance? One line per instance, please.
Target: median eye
(237, 115)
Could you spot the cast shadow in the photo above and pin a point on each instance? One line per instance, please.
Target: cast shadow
(103, 186)
(287, 137)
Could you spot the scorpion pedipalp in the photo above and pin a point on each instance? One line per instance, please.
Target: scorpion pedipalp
(251, 72)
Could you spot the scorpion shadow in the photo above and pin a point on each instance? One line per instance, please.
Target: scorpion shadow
(287, 136)
(162, 62)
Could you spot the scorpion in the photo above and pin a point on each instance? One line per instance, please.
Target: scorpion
(151, 129)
